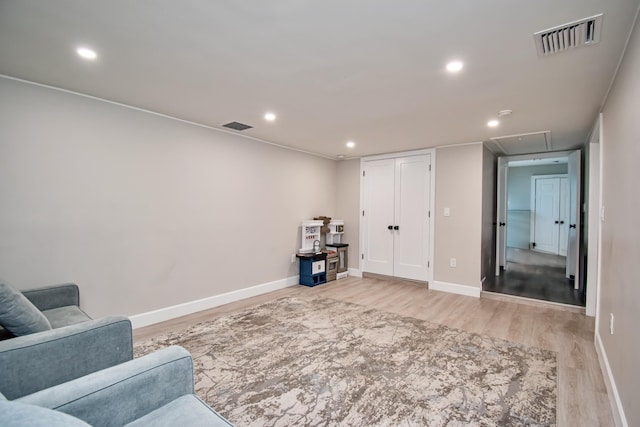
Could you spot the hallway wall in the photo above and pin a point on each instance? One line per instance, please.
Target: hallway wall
(619, 290)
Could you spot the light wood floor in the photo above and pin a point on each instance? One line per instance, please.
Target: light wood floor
(582, 395)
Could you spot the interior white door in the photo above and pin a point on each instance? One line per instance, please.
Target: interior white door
(411, 226)
(378, 205)
(547, 206)
(501, 217)
(564, 217)
(573, 248)
(396, 219)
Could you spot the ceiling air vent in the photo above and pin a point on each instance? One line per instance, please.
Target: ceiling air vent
(237, 126)
(584, 32)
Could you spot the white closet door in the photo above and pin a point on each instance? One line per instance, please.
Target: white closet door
(412, 199)
(546, 214)
(378, 216)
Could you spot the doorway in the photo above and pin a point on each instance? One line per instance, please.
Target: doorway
(548, 214)
(538, 219)
(397, 195)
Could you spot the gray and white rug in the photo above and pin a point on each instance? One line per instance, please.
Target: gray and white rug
(321, 362)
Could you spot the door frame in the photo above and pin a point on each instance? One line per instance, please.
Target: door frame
(432, 200)
(502, 195)
(532, 206)
(596, 216)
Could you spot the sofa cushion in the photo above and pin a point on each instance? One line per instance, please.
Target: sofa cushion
(187, 410)
(65, 316)
(15, 414)
(18, 315)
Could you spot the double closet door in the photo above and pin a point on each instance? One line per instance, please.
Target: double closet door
(396, 216)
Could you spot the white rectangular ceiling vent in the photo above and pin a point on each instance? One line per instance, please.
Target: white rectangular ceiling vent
(583, 32)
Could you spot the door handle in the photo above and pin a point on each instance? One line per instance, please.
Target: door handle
(572, 226)
(561, 222)
(557, 222)
(502, 224)
(390, 227)
(396, 227)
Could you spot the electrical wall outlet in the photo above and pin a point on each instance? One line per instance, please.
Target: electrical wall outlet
(453, 263)
(447, 212)
(293, 258)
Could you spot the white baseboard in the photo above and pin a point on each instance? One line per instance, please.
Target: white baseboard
(616, 404)
(168, 313)
(454, 288)
(355, 272)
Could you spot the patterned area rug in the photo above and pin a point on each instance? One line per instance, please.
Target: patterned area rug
(321, 362)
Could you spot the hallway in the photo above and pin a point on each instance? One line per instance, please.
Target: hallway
(535, 275)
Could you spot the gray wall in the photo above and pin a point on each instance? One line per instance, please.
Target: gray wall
(348, 206)
(519, 183)
(459, 172)
(145, 212)
(619, 289)
(519, 201)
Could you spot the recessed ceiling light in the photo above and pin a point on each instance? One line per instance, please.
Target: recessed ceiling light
(454, 66)
(351, 144)
(269, 117)
(86, 53)
(493, 123)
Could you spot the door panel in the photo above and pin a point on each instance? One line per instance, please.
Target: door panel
(378, 208)
(564, 217)
(411, 240)
(397, 194)
(546, 214)
(573, 250)
(501, 229)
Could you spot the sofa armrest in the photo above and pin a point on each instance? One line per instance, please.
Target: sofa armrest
(34, 362)
(122, 393)
(54, 296)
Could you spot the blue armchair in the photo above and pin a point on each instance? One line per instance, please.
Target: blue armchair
(60, 305)
(70, 345)
(153, 390)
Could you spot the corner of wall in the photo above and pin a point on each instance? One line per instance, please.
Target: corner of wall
(612, 391)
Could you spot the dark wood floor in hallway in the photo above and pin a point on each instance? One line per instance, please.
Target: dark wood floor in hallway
(535, 275)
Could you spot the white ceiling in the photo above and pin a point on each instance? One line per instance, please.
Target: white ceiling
(370, 71)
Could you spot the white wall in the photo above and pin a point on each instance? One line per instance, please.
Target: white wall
(620, 248)
(142, 211)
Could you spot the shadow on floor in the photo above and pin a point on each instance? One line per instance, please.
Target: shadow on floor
(535, 275)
